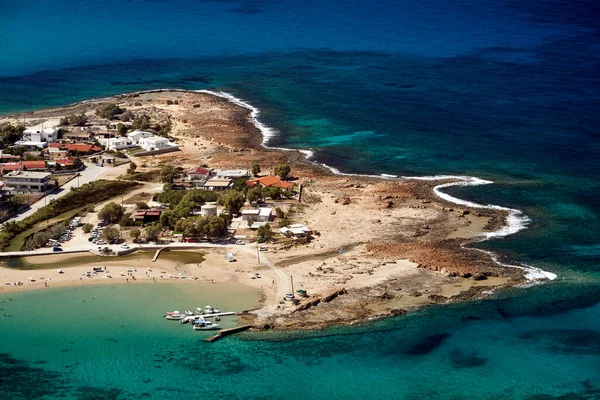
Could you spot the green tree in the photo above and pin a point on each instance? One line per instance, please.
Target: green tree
(168, 219)
(233, 202)
(255, 169)
(135, 234)
(272, 192)
(168, 174)
(282, 171)
(153, 232)
(265, 232)
(142, 205)
(122, 129)
(215, 226)
(77, 163)
(279, 212)
(111, 213)
(87, 228)
(254, 194)
(142, 122)
(284, 222)
(109, 111)
(78, 120)
(110, 233)
(132, 167)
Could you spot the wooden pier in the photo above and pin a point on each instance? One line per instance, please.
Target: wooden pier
(227, 332)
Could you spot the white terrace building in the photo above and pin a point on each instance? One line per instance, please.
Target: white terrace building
(28, 181)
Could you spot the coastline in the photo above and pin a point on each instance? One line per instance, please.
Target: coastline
(424, 190)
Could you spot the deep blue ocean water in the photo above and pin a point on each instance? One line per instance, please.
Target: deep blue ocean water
(503, 90)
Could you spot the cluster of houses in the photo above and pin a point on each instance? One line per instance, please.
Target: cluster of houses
(211, 179)
(146, 140)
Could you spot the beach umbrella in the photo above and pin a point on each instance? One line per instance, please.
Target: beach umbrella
(30, 278)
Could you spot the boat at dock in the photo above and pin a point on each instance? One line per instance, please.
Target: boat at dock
(174, 315)
(191, 318)
(203, 325)
(207, 310)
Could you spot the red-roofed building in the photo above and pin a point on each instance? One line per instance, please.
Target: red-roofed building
(268, 181)
(200, 174)
(24, 166)
(66, 162)
(82, 148)
(146, 215)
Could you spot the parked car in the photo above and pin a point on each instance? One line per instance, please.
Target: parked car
(56, 248)
(125, 246)
(240, 242)
(263, 248)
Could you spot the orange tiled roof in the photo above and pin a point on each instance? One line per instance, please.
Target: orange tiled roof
(268, 181)
(82, 148)
(65, 162)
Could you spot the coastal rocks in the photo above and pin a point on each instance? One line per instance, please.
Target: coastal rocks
(437, 299)
(386, 296)
(448, 255)
(333, 295)
(397, 311)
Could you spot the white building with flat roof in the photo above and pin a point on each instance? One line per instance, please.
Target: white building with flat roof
(27, 181)
(136, 136)
(39, 138)
(118, 143)
(155, 143)
(232, 174)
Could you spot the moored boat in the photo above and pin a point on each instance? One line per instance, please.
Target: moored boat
(174, 315)
(203, 325)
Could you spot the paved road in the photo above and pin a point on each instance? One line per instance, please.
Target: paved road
(89, 174)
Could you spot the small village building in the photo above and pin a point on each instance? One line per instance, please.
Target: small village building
(269, 181)
(296, 230)
(38, 138)
(199, 174)
(146, 216)
(78, 136)
(24, 166)
(232, 174)
(218, 184)
(67, 162)
(118, 143)
(153, 143)
(136, 136)
(54, 153)
(262, 214)
(106, 159)
(250, 215)
(27, 181)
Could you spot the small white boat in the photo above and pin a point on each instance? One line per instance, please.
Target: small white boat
(210, 310)
(191, 318)
(205, 326)
(174, 315)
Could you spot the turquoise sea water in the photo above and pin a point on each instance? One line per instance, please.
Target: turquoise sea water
(506, 91)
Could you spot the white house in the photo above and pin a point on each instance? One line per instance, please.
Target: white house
(155, 143)
(118, 143)
(38, 137)
(296, 230)
(263, 214)
(136, 136)
(232, 174)
(218, 184)
(199, 174)
(27, 181)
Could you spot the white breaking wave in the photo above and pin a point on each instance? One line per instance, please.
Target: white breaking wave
(515, 220)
